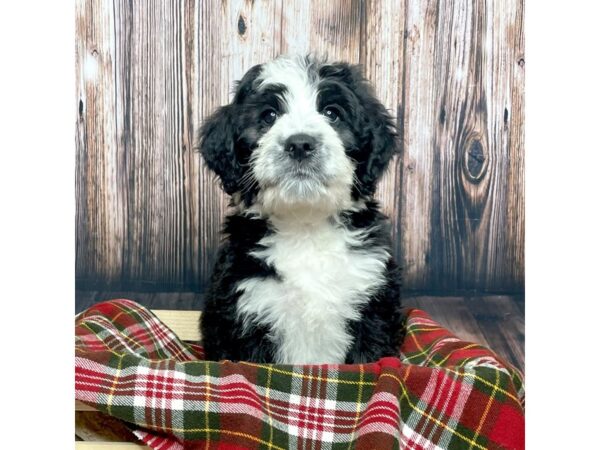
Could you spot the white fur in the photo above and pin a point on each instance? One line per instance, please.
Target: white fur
(323, 285)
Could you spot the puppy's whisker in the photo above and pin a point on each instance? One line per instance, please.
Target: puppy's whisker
(248, 182)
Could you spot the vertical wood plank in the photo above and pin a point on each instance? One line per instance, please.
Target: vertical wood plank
(457, 148)
(192, 164)
(101, 214)
(336, 29)
(151, 82)
(148, 118)
(294, 33)
(382, 58)
(418, 114)
(331, 29)
(212, 92)
(512, 70)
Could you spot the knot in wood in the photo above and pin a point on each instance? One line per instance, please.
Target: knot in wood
(241, 25)
(475, 161)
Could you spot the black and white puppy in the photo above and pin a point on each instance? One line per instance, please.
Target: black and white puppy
(305, 274)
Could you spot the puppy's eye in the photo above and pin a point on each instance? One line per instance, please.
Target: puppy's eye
(332, 113)
(269, 116)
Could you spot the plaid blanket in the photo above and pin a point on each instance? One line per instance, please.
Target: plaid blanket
(441, 393)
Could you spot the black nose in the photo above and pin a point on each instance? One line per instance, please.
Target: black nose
(300, 146)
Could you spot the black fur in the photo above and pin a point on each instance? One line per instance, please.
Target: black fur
(376, 139)
(219, 320)
(223, 142)
(227, 140)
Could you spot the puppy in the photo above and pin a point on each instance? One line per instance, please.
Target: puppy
(305, 274)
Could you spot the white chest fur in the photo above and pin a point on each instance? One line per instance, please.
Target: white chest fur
(323, 285)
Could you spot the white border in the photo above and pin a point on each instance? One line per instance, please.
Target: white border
(562, 226)
(37, 110)
(37, 137)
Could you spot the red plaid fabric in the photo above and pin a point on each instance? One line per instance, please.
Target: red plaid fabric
(441, 393)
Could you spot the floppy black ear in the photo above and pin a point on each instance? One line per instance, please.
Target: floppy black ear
(379, 143)
(378, 137)
(219, 136)
(217, 145)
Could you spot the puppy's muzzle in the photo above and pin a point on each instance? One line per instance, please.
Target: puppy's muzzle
(300, 146)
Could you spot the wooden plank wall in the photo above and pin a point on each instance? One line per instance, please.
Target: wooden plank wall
(148, 212)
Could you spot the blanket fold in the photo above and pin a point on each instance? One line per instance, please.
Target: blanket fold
(440, 393)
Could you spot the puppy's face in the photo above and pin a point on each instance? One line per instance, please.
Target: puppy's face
(299, 134)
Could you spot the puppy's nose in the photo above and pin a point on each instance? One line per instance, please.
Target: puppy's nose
(300, 146)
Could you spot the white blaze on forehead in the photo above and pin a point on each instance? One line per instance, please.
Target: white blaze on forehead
(299, 78)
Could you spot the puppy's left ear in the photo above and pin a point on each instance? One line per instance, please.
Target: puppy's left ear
(379, 140)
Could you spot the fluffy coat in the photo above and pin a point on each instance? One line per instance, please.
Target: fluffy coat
(305, 273)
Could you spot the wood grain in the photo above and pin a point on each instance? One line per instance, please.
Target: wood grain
(329, 29)
(452, 314)
(148, 213)
(135, 215)
(183, 323)
(503, 320)
(101, 209)
(179, 300)
(94, 426)
(462, 224)
(382, 58)
(495, 321)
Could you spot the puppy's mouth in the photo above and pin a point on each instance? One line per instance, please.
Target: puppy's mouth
(300, 180)
(304, 172)
(306, 169)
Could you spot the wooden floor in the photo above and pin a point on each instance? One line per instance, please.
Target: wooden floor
(496, 321)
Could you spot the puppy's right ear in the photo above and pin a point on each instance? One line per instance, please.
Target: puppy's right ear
(217, 145)
(218, 136)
